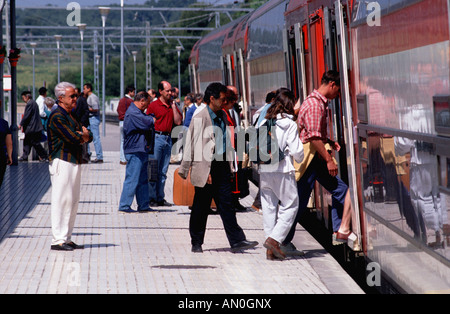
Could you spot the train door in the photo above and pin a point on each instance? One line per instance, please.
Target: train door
(227, 70)
(194, 79)
(342, 23)
(243, 87)
(319, 46)
(295, 61)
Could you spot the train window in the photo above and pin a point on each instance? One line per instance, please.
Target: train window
(401, 187)
(441, 105)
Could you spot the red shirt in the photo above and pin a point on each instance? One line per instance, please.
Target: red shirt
(313, 118)
(163, 114)
(124, 103)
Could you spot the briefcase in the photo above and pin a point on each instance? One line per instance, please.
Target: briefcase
(184, 191)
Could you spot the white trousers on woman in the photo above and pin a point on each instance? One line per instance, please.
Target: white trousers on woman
(66, 182)
(279, 200)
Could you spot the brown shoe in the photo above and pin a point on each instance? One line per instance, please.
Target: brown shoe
(271, 257)
(274, 246)
(343, 237)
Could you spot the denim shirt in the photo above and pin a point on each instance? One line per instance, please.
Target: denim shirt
(136, 127)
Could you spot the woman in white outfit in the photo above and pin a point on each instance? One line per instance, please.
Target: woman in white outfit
(279, 197)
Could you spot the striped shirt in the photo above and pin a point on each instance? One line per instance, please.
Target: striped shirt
(63, 140)
(313, 118)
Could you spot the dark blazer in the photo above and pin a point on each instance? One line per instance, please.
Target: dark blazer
(31, 121)
(81, 112)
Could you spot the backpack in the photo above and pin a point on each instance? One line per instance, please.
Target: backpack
(263, 145)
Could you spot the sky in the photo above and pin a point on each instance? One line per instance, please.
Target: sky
(22, 3)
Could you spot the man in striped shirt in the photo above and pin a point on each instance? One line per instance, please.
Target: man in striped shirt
(313, 125)
(66, 137)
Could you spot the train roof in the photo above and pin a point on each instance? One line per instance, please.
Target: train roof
(215, 34)
(235, 33)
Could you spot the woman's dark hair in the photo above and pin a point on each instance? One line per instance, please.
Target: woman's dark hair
(284, 102)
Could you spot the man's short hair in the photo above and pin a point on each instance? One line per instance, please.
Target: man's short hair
(214, 89)
(141, 95)
(129, 89)
(27, 94)
(60, 89)
(331, 76)
(89, 86)
(42, 91)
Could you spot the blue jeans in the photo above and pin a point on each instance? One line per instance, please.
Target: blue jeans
(136, 182)
(95, 128)
(163, 149)
(317, 170)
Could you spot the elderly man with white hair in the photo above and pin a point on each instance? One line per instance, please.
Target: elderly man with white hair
(66, 137)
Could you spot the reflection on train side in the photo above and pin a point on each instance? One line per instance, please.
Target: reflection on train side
(402, 188)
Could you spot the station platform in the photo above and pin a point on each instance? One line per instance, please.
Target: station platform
(137, 253)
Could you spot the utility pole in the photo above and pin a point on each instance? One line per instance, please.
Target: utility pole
(148, 57)
(14, 127)
(122, 73)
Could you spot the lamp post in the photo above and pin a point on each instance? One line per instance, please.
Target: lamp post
(58, 40)
(104, 11)
(134, 53)
(81, 28)
(179, 48)
(33, 51)
(122, 74)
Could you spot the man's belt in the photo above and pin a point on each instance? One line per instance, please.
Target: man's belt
(162, 133)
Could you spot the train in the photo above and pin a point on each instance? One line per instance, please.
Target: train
(392, 118)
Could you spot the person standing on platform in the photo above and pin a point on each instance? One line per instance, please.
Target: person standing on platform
(81, 113)
(211, 164)
(41, 105)
(122, 108)
(6, 148)
(167, 115)
(278, 188)
(136, 128)
(66, 137)
(94, 120)
(32, 127)
(313, 125)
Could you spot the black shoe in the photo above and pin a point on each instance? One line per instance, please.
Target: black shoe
(126, 211)
(75, 246)
(239, 208)
(148, 210)
(62, 247)
(97, 161)
(197, 248)
(21, 159)
(164, 203)
(243, 245)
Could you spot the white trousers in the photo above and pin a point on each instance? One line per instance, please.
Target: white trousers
(66, 183)
(279, 200)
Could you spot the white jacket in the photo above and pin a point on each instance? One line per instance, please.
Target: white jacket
(289, 142)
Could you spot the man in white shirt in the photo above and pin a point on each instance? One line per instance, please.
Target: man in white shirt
(41, 104)
(94, 121)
